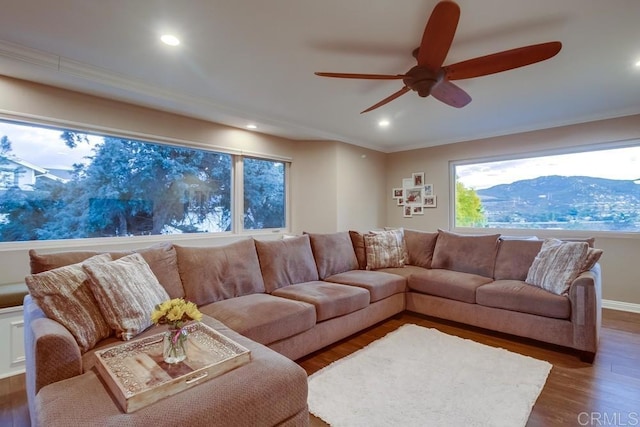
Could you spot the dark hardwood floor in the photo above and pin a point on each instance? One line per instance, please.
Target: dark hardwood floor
(576, 393)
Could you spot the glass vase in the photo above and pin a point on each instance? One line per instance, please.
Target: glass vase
(175, 345)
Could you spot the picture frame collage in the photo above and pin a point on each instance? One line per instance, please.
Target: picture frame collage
(414, 196)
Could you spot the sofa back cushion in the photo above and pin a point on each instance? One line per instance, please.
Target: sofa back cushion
(217, 273)
(286, 262)
(333, 253)
(161, 259)
(420, 247)
(514, 258)
(466, 253)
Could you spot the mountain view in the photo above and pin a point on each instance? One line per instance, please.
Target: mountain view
(574, 202)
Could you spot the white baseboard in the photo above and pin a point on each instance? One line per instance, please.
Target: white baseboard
(621, 306)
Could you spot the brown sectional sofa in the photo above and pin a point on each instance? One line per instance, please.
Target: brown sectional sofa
(300, 294)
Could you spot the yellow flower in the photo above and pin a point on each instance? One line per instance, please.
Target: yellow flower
(175, 312)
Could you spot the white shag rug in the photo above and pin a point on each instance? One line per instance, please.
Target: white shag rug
(416, 376)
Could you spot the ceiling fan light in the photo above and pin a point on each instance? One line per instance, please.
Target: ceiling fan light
(384, 123)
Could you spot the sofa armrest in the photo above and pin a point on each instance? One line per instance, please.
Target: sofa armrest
(57, 355)
(51, 352)
(585, 295)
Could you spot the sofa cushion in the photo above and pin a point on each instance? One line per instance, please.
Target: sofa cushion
(514, 258)
(333, 253)
(420, 247)
(64, 295)
(405, 271)
(330, 299)
(127, 291)
(263, 318)
(466, 253)
(384, 249)
(516, 295)
(380, 285)
(357, 239)
(286, 262)
(557, 265)
(217, 273)
(161, 259)
(447, 284)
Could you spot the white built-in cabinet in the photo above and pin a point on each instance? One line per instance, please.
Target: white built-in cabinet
(11, 341)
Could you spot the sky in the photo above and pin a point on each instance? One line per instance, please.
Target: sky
(43, 147)
(620, 163)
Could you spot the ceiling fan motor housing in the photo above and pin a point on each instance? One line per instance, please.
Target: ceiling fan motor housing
(422, 79)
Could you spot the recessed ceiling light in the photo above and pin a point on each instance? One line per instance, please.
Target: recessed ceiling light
(252, 126)
(384, 123)
(169, 39)
(638, 64)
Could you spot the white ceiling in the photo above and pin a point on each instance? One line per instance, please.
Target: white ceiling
(244, 61)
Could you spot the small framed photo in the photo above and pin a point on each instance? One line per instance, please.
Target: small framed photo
(408, 211)
(407, 183)
(400, 202)
(430, 201)
(418, 179)
(428, 189)
(413, 195)
(417, 210)
(397, 193)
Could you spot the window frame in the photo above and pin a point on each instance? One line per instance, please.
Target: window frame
(540, 233)
(236, 154)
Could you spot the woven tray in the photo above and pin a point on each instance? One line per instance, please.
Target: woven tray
(137, 375)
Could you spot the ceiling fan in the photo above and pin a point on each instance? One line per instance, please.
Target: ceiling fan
(430, 77)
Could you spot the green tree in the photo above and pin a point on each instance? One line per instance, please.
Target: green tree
(264, 194)
(134, 187)
(469, 211)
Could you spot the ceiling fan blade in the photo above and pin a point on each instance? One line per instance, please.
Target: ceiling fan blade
(502, 61)
(362, 76)
(387, 99)
(450, 94)
(438, 35)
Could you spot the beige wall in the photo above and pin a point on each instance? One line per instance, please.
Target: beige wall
(361, 179)
(314, 180)
(621, 281)
(337, 187)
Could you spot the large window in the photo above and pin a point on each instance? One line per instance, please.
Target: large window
(66, 184)
(597, 190)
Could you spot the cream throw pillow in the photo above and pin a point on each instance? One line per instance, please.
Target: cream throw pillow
(384, 249)
(127, 292)
(65, 296)
(557, 265)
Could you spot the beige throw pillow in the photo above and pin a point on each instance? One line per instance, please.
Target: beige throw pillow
(593, 256)
(65, 296)
(384, 249)
(557, 265)
(127, 292)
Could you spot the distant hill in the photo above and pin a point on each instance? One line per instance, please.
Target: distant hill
(564, 199)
